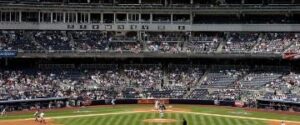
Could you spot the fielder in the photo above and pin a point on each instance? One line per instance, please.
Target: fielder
(113, 102)
(156, 105)
(37, 115)
(42, 120)
(3, 112)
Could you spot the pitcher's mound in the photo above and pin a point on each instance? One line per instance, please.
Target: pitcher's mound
(158, 120)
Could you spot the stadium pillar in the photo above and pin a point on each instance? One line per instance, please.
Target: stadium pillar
(151, 18)
(115, 18)
(39, 16)
(191, 18)
(127, 17)
(101, 20)
(172, 18)
(76, 15)
(140, 17)
(51, 17)
(89, 17)
(140, 1)
(64, 17)
(10, 16)
(20, 16)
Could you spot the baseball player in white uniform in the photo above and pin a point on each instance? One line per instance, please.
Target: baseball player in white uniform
(3, 112)
(42, 120)
(156, 105)
(113, 102)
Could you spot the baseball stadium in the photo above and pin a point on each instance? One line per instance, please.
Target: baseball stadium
(149, 62)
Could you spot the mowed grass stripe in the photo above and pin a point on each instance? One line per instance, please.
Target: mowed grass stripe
(129, 120)
(154, 115)
(106, 120)
(250, 122)
(75, 121)
(137, 119)
(253, 122)
(119, 119)
(224, 121)
(202, 117)
(141, 118)
(235, 122)
(194, 119)
(112, 119)
(146, 116)
(83, 121)
(209, 119)
(170, 116)
(219, 121)
(188, 118)
(64, 121)
(245, 122)
(178, 117)
(198, 120)
(96, 120)
(228, 121)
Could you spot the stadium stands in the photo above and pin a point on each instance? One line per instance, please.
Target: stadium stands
(50, 41)
(100, 81)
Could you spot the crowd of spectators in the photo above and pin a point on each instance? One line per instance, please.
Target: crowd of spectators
(88, 40)
(162, 42)
(149, 81)
(275, 42)
(183, 76)
(107, 81)
(240, 42)
(284, 88)
(16, 40)
(222, 77)
(53, 40)
(295, 47)
(22, 84)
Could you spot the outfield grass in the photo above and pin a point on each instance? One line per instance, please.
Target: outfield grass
(137, 119)
(127, 115)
